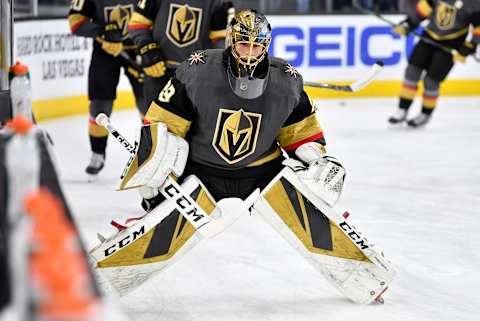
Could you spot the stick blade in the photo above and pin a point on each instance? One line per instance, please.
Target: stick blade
(374, 71)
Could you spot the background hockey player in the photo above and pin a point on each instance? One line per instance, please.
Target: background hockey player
(449, 25)
(105, 21)
(166, 32)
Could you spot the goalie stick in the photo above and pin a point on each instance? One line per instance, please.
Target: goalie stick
(171, 190)
(354, 87)
(429, 41)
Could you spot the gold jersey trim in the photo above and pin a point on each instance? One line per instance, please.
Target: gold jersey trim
(266, 159)
(175, 124)
(138, 18)
(450, 36)
(217, 34)
(74, 19)
(299, 131)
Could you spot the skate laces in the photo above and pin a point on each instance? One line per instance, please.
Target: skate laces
(97, 160)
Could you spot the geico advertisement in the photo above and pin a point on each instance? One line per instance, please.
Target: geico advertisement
(344, 47)
(58, 60)
(321, 47)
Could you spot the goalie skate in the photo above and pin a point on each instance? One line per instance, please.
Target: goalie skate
(97, 162)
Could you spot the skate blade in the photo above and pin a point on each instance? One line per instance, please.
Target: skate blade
(92, 178)
(398, 126)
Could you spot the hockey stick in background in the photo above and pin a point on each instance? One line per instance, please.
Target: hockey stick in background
(129, 59)
(184, 203)
(427, 40)
(354, 87)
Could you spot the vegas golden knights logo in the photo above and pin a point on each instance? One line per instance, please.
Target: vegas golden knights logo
(446, 15)
(236, 134)
(183, 27)
(120, 15)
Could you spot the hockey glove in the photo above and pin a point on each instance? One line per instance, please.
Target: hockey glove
(403, 28)
(137, 73)
(152, 60)
(460, 55)
(112, 39)
(324, 175)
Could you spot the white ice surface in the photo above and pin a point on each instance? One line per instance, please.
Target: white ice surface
(415, 193)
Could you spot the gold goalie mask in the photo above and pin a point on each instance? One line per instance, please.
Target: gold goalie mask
(249, 37)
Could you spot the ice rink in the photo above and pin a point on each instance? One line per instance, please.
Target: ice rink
(414, 193)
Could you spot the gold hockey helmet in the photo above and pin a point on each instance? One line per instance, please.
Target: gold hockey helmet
(252, 30)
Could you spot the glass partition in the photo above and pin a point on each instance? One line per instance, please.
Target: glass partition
(26, 8)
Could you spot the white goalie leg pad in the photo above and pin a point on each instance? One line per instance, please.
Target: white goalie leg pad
(158, 154)
(120, 262)
(351, 265)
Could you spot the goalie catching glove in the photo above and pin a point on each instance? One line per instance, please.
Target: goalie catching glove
(159, 154)
(324, 175)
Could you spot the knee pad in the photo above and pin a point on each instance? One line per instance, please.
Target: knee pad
(432, 86)
(413, 74)
(98, 106)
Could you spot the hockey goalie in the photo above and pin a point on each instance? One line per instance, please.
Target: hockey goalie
(231, 123)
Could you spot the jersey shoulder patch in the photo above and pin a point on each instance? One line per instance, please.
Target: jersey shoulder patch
(197, 57)
(291, 71)
(285, 68)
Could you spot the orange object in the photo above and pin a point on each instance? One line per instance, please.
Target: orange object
(59, 268)
(20, 125)
(19, 69)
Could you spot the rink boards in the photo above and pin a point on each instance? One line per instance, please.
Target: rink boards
(323, 48)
